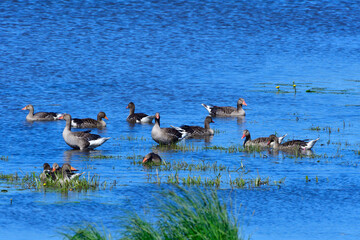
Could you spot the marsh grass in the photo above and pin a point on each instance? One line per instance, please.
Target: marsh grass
(180, 147)
(32, 181)
(185, 166)
(186, 214)
(10, 177)
(235, 149)
(217, 181)
(87, 232)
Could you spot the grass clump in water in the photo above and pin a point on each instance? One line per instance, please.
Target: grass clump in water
(32, 181)
(88, 232)
(184, 214)
(187, 214)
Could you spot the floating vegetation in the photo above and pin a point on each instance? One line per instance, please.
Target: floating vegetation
(217, 181)
(9, 177)
(326, 129)
(135, 157)
(235, 149)
(326, 91)
(181, 147)
(4, 158)
(184, 166)
(32, 181)
(103, 157)
(131, 138)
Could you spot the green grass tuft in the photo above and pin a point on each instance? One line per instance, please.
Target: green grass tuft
(186, 214)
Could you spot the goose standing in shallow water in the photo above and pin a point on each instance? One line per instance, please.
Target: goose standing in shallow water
(81, 140)
(40, 116)
(261, 141)
(227, 111)
(196, 131)
(89, 122)
(291, 145)
(137, 117)
(165, 135)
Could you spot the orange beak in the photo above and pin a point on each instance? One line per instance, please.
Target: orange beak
(73, 169)
(127, 106)
(243, 136)
(268, 143)
(24, 108)
(144, 160)
(53, 170)
(106, 118)
(61, 117)
(244, 103)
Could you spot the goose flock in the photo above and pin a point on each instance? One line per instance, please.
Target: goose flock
(84, 140)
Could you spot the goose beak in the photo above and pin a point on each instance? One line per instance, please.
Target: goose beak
(268, 143)
(106, 118)
(244, 103)
(243, 136)
(53, 170)
(73, 169)
(144, 160)
(61, 117)
(127, 106)
(24, 108)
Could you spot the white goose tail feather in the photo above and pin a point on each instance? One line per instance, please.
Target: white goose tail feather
(280, 139)
(98, 142)
(310, 144)
(181, 131)
(207, 107)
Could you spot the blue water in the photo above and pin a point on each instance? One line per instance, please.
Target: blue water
(82, 57)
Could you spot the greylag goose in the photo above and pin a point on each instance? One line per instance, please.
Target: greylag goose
(40, 116)
(64, 173)
(227, 111)
(47, 173)
(291, 145)
(89, 122)
(261, 141)
(165, 135)
(153, 158)
(137, 117)
(81, 140)
(196, 131)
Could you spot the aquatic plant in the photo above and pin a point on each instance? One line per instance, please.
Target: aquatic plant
(4, 158)
(186, 214)
(87, 232)
(61, 184)
(32, 181)
(9, 177)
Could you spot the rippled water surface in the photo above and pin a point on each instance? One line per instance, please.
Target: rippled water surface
(82, 57)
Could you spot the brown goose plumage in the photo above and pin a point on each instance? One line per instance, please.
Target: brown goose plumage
(165, 135)
(89, 122)
(137, 117)
(292, 145)
(82, 139)
(196, 131)
(41, 116)
(227, 111)
(261, 141)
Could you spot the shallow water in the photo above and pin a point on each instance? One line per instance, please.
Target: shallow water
(169, 57)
